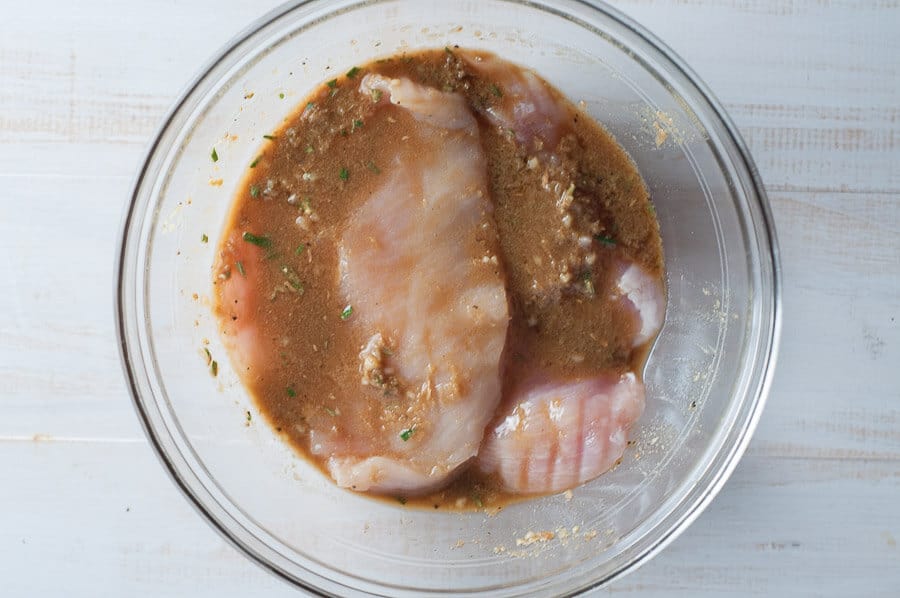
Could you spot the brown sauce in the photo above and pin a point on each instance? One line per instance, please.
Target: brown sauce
(276, 277)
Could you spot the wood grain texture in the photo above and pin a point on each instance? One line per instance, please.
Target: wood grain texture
(814, 508)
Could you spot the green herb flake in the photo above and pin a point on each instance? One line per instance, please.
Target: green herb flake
(407, 433)
(204, 238)
(254, 190)
(249, 417)
(240, 268)
(255, 162)
(347, 312)
(353, 72)
(258, 240)
(332, 84)
(344, 132)
(208, 356)
(270, 137)
(281, 96)
(401, 500)
(214, 155)
(605, 240)
(376, 95)
(371, 166)
(214, 368)
(290, 391)
(309, 149)
(357, 124)
(330, 411)
(310, 105)
(496, 90)
(477, 500)
(292, 278)
(344, 174)
(651, 207)
(448, 50)
(300, 249)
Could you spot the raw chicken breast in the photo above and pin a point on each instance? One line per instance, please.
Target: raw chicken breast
(240, 305)
(644, 297)
(526, 104)
(552, 436)
(419, 266)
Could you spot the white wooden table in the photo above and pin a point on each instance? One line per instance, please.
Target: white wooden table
(813, 508)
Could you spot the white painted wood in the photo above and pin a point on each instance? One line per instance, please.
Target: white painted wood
(814, 509)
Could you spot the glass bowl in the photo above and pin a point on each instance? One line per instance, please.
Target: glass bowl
(707, 375)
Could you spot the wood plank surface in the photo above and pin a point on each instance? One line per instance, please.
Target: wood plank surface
(812, 510)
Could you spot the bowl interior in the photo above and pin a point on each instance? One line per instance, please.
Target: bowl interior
(704, 376)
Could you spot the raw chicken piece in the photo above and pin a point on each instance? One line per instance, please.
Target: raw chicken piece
(419, 266)
(238, 305)
(526, 105)
(644, 297)
(552, 436)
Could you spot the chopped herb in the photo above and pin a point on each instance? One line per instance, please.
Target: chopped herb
(254, 190)
(376, 95)
(204, 238)
(290, 391)
(307, 208)
(330, 411)
(401, 500)
(258, 240)
(448, 50)
(477, 500)
(310, 105)
(371, 166)
(292, 278)
(214, 368)
(496, 90)
(309, 149)
(281, 96)
(344, 133)
(651, 208)
(300, 249)
(407, 433)
(240, 268)
(605, 239)
(214, 155)
(270, 137)
(208, 356)
(255, 162)
(352, 72)
(347, 312)
(357, 124)
(332, 84)
(344, 174)
(249, 417)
